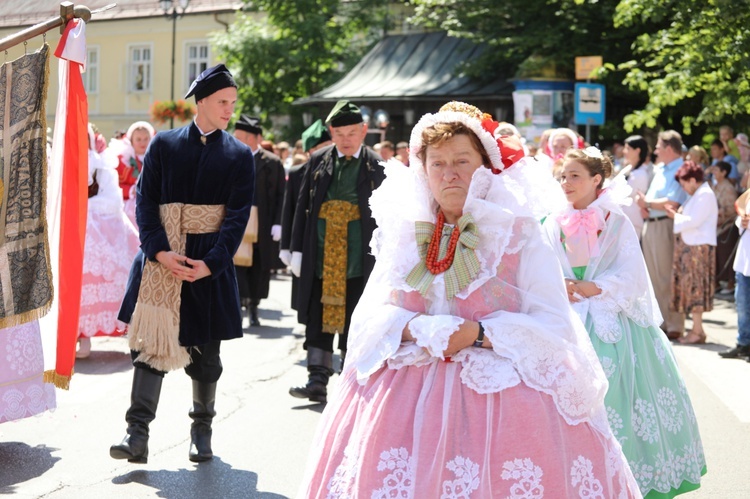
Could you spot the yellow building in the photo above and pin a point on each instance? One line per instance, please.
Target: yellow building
(129, 52)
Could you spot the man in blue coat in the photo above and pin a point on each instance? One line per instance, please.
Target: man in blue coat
(193, 202)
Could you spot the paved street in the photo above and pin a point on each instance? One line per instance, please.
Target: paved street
(262, 436)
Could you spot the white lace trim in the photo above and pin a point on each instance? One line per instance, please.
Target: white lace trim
(432, 332)
(484, 371)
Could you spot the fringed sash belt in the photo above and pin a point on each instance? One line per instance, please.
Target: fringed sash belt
(155, 326)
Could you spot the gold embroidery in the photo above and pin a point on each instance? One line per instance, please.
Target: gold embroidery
(337, 215)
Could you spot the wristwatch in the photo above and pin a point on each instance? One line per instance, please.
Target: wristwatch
(480, 338)
(648, 205)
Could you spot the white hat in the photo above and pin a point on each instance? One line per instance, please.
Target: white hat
(741, 139)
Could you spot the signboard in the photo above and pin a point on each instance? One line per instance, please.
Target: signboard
(590, 99)
(587, 65)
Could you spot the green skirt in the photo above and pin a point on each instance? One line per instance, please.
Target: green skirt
(649, 410)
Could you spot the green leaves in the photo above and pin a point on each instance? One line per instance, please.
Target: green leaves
(697, 62)
(282, 50)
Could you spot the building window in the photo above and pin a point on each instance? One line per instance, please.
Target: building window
(197, 60)
(140, 69)
(91, 76)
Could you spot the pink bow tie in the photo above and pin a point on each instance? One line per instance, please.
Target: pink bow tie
(586, 223)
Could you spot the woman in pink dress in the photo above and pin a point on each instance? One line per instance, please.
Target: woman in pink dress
(111, 244)
(467, 374)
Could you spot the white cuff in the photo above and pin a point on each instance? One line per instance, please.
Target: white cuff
(296, 263)
(285, 256)
(276, 232)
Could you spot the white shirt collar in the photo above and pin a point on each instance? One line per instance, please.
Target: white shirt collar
(201, 131)
(356, 154)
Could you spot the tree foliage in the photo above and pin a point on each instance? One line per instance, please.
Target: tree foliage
(669, 62)
(526, 33)
(696, 68)
(281, 50)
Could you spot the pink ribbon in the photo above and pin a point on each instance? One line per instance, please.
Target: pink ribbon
(583, 224)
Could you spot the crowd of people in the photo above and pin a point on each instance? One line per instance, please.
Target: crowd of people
(502, 309)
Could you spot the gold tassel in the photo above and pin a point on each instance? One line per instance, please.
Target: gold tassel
(59, 380)
(28, 316)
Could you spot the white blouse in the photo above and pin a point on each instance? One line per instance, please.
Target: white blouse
(742, 258)
(697, 222)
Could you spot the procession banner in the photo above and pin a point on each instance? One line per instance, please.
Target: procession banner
(25, 274)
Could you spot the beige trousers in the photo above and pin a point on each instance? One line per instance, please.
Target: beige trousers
(657, 241)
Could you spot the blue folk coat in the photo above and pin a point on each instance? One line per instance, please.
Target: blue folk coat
(179, 168)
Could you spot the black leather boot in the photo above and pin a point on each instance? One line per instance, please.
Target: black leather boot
(204, 396)
(144, 399)
(254, 313)
(319, 370)
(738, 352)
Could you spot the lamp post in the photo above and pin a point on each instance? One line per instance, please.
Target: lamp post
(173, 9)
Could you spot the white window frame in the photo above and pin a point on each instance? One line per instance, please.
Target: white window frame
(93, 71)
(133, 67)
(187, 45)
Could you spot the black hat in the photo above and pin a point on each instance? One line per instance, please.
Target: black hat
(344, 113)
(314, 135)
(249, 124)
(209, 81)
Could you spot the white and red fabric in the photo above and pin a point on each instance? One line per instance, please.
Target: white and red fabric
(67, 200)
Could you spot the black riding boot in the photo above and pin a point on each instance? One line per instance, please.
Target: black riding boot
(204, 396)
(254, 313)
(319, 369)
(144, 399)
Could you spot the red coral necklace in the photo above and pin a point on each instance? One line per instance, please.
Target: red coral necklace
(434, 265)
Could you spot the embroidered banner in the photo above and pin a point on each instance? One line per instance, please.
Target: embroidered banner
(25, 274)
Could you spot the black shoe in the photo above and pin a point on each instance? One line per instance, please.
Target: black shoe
(254, 315)
(143, 402)
(134, 448)
(204, 397)
(313, 391)
(738, 352)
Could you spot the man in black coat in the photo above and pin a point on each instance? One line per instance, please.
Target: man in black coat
(315, 137)
(270, 178)
(193, 202)
(330, 242)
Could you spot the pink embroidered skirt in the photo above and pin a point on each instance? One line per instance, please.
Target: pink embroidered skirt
(419, 432)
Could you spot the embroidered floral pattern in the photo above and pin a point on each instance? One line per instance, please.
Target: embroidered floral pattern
(615, 421)
(670, 470)
(669, 413)
(582, 473)
(527, 476)
(21, 353)
(608, 365)
(644, 421)
(467, 479)
(341, 484)
(400, 480)
(659, 350)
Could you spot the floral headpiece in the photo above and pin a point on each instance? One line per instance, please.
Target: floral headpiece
(593, 152)
(503, 151)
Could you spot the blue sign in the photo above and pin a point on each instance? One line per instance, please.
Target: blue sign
(590, 99)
